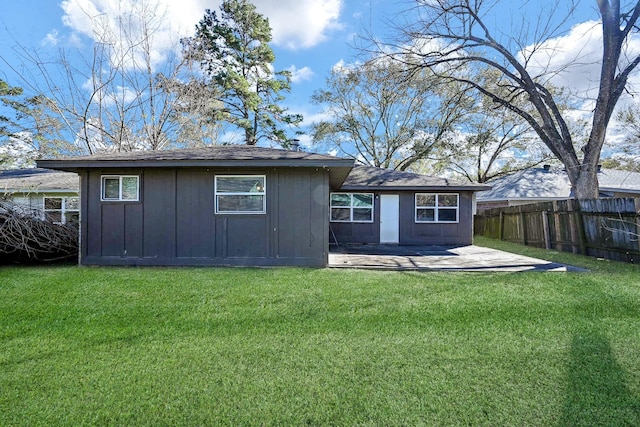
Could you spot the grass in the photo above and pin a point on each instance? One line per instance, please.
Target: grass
(187, 346)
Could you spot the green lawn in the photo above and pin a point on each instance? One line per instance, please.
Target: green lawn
(201, 346)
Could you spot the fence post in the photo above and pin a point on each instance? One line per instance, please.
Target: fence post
(524, 228)
(636, 208)
(577, 215)
(545, 226)
(501, 226)
(557, 228)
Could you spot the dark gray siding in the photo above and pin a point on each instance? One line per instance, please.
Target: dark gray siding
(411, 233)
(302, 218)
(174, 223)
(358, 232)
(195, 236)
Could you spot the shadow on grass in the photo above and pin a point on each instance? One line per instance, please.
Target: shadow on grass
(598, 394)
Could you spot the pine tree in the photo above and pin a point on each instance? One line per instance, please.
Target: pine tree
(234, 54)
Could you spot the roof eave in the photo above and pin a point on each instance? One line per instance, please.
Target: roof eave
(76, 165)
(620, 189)
(338, 168)
(413, 188)
(525, 199)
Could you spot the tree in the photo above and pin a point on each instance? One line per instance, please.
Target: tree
(493, 141)
(452, 36)
(385, 118)
(8, 97)
(115, 97)
(28, 238)
(193, 110)
(26, 131)
(492, 147)
(233, 52)
(626, 154)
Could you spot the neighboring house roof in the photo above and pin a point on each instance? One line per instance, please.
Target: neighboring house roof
(553, 184)
(617, 180)
(372, 178)
(38, 180)
(215, 156)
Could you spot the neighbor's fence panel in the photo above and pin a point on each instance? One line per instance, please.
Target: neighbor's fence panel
(604, 228)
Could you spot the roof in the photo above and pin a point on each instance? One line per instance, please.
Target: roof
(37, 180)
(553, 183)
(342, 171)
(216, 153)
(617, 180)
(241, 156)
(373, 178)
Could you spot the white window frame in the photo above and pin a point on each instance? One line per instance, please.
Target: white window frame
(437, 208)
(63, 208)
(120, 178)
(351, 207)
(262, 193)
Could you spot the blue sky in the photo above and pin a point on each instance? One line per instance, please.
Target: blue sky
(310, 36)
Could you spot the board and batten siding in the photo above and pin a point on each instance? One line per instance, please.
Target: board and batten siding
(411, 233)
(174, 222)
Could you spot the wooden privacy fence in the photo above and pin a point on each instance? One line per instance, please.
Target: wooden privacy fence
(604, 228)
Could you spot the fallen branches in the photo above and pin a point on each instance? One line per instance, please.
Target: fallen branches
(25, 237)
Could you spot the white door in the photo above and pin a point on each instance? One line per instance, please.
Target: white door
(389, 218)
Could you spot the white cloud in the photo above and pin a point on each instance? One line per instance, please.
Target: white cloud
(573, 61)
(313, 117)
(345, 67)
(101, 20)
(295, 24)
(301, 24)
(300, 75)
(51, 39)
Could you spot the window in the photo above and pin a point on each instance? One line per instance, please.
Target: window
(436, 207)
(62, 210)
(120, 188)
(240, 194)
(352, 207)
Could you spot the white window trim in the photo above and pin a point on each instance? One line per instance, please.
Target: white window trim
(436, 208)
(241, 193)
(63, 207)
(119, 177)
(351, 207)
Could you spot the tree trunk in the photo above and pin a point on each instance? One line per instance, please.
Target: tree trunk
(586, 185)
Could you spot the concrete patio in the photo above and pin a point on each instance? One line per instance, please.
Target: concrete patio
(437, 258)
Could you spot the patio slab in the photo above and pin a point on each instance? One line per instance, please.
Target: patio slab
(437, 258)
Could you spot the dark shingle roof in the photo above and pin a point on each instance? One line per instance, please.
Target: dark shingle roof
(223, 156)
(212, 153)
(358, 178)
(37, 180)
(372, 178)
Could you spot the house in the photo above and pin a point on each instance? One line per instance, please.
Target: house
(42, 192)
(552, 183)
(402, 207)
(244, 205)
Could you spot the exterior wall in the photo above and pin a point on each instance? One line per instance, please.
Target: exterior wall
(483, 206)
(174, 222)
(625, 194)
(32, 202)
(411, 233)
